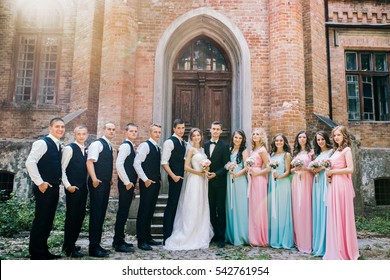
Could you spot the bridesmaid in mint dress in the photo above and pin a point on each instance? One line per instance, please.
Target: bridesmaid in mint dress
(237, 193)
(302, 185)
(258, 216)
(322, 151)
(341, 237)
(281, 234)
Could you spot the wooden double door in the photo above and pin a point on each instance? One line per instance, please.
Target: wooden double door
(201, 97)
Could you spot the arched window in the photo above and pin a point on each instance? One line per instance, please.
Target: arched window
(202, 55)
(6, 185)
(39, 27)
(382, 191)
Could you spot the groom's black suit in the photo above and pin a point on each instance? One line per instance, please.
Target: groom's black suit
(217, 187)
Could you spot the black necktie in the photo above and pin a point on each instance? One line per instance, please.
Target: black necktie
(212, 142)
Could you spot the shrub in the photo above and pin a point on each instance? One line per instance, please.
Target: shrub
(16, 215)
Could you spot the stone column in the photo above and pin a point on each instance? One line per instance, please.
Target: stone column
(118, 66)
(287, 71)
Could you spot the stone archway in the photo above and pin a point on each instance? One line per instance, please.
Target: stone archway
(210, 23)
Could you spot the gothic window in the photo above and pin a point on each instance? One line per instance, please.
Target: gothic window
(382, 191)
(368, 85)
(6, 185)
(202, 55)
(39, 29)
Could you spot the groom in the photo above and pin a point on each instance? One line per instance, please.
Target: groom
(218, 153)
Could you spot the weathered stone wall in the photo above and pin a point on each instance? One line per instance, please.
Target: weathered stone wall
(375, 164)
(13, 155)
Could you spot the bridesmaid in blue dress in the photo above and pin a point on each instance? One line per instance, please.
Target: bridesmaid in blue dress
(281, 233)
(322, 150)
(237, 193)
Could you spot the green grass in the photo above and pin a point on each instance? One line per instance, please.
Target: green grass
(377, 222)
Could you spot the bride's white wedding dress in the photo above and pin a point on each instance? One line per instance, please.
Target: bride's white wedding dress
(192, 228)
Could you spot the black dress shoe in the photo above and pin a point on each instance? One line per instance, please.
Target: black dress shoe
(64, 249)
(124, 249)
(75, 254)
(104, 250)
(97, 253)
(145, 247)
(153, 242)
(123, 243)
(221, 244)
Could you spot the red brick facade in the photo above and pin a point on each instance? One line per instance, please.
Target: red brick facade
(108, 62)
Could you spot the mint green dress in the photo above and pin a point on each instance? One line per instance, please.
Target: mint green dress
(237, 207)
(280, 223)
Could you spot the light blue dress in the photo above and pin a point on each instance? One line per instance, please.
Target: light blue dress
(280, 224)
(320, 186)
(237, 207)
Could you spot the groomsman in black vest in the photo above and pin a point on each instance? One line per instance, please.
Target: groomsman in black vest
(173, 163)
(74, 179)
(218, 153)
(126, 185)
(147, 165)
(44, 167)
(100, 167)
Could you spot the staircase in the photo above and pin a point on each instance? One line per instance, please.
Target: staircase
(157, 221)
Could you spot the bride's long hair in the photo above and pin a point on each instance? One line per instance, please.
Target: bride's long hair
(192, 131)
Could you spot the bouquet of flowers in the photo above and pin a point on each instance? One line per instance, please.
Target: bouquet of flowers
(204, 163)
(313, 165)
(273, 164)
(250, 161)
(231, 166)
(296, 162)
(326, 163)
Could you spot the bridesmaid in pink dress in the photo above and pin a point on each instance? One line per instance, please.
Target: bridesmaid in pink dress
(302, 185)
(258, 213)
(341, 238)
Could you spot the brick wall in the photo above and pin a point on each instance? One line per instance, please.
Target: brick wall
(27, 121)
(371, 134)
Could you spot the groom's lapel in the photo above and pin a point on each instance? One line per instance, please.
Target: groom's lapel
(207, 148)
(217, 147)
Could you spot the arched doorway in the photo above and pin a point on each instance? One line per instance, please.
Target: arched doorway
(208, 23)
(201, 86)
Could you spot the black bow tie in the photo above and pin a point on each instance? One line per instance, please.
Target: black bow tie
(212, 142)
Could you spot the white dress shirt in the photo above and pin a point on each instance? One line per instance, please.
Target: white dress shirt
(67, 154)
(142, 152)
(39, 148)
(124, 152)
(168, 147)
(95, 149)
(212, 147)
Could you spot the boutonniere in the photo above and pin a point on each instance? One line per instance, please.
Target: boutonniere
(62, 146)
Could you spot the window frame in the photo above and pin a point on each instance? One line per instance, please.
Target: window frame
(361, 74)
(40, 36)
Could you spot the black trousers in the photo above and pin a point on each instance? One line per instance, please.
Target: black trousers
(125, 198)
(170, 209)
(217, 200)
(45, 209)
(98, 207)
(147, 205)
(75, 213)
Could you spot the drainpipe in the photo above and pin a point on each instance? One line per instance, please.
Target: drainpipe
(328, 59)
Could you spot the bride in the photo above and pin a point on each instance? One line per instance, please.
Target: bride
(192, 228)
